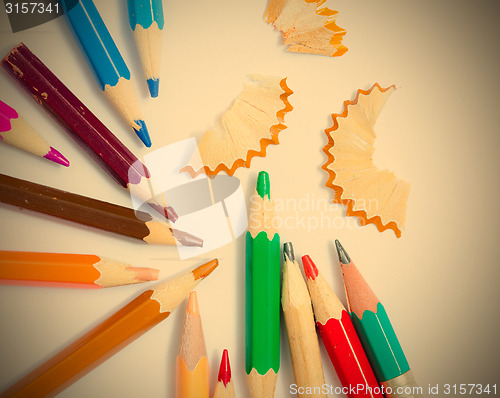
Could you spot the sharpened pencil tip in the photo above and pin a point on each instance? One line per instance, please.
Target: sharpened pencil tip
(154, 87)
(225, 369)
(288, 251)
(56, 157)
(187, 239)
(343, 256)
(309, 267)
(145, 274)
(166, 211)
(205, 269)
(263, 185)
(192, 307)
(143, 133)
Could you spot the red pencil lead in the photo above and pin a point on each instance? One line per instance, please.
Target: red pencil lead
(309, 267)
(225, 369)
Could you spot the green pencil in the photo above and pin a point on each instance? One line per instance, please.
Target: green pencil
(262, 294)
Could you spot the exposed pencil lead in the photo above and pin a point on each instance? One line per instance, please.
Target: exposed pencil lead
(56, 157)
(225, 369)
(154, 87)
(343, 256)
(165, 211)
(309, 267)
(263, 185)
(142, 132)
(192, 306)
(288, 251)
(186, 239)
(205, 269)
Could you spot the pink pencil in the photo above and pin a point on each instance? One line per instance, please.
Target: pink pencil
(16, 131)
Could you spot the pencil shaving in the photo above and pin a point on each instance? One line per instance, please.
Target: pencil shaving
(307, 26)
(246, 129)
(374, 196)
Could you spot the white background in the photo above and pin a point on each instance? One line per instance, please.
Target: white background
(439, 131)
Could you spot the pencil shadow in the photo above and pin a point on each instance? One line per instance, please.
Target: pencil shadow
(239, 350)
(173, 346)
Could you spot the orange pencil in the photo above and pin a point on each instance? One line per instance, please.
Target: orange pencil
(68, 270)
(192, 363)
(106, 339)
(224, 387)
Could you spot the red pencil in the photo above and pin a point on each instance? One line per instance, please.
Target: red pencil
(224, 387)
(339, 337)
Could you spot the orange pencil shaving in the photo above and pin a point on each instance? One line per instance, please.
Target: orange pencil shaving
(192, 363)
(252, 123)
(373, 195)
(106, 339)
(308, 26)
(68, 270)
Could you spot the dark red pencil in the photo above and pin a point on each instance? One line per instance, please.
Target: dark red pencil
(81, 124)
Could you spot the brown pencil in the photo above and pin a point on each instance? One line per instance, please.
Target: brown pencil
(92, 212)
(106, 339)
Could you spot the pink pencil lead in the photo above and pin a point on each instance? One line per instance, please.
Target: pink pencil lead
(56, 157)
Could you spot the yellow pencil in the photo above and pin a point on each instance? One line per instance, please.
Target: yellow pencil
(192, 363)
(301, 329)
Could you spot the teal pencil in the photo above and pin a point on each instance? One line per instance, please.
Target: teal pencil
(376, 334)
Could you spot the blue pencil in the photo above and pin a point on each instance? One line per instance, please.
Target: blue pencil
(146, 21)
(106, 61)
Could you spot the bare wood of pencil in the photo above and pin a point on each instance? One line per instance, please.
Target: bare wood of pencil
(192, 362)
(16, 131)
(301, 329)
(92, 212)
(106, 339)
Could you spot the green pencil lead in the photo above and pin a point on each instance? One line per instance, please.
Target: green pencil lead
(263, 185)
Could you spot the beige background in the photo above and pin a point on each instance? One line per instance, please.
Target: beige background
(439, 131)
